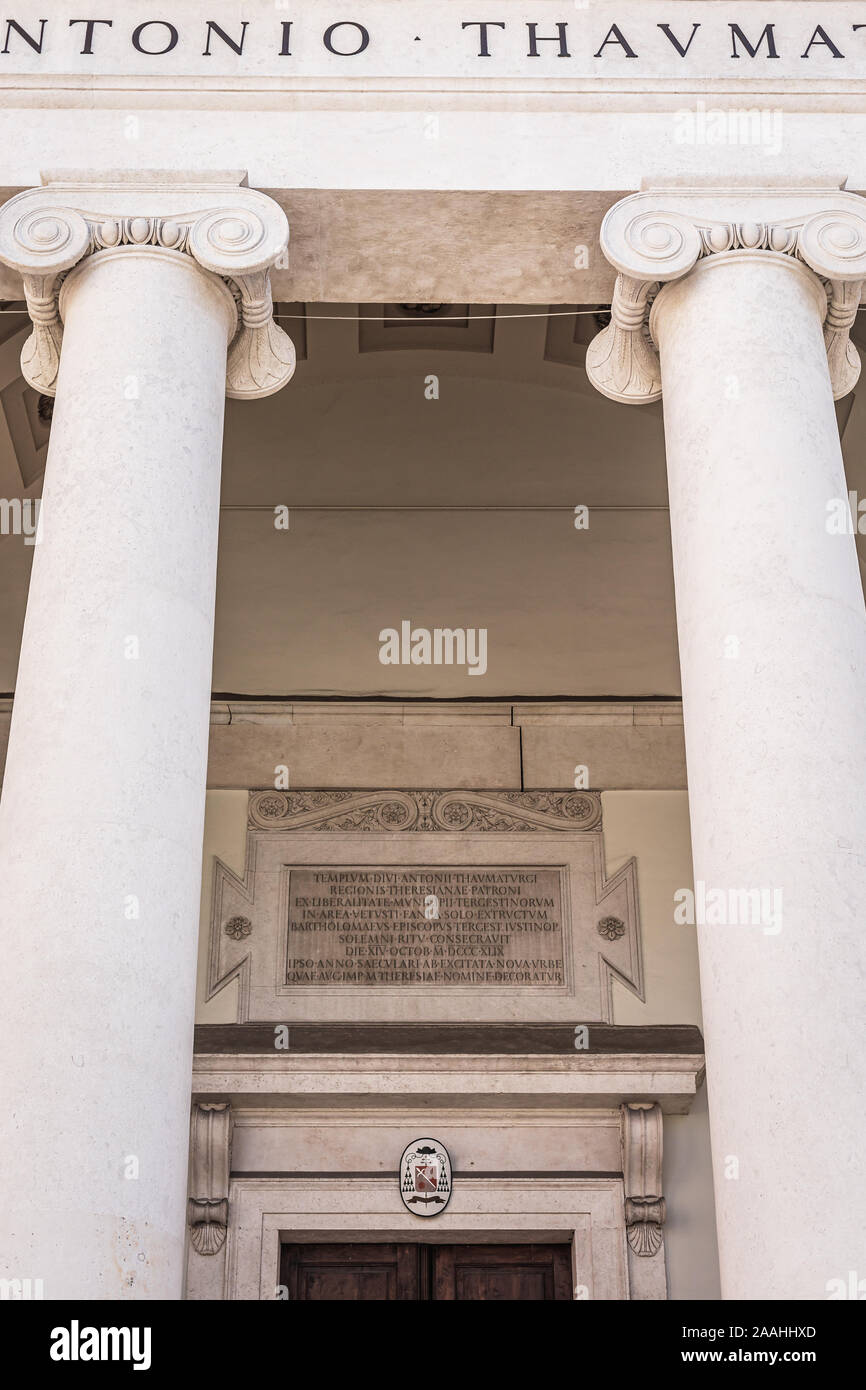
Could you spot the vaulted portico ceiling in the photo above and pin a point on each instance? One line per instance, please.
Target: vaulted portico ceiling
(377, 478)
(388, 329)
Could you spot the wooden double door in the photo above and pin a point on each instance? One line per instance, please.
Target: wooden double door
(420, 1273)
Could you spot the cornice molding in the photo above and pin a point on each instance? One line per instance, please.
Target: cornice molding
(334, 1080)
(232, 232)
(656, 237)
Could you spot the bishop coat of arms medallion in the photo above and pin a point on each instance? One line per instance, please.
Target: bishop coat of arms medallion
(425, 1177)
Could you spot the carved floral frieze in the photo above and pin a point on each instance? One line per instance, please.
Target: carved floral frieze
(401, 811)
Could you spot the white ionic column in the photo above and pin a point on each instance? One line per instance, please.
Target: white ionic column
(103, 798)
(772, 639)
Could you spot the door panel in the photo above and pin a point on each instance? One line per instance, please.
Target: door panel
(490, 1273)
(352, 1273)
(390, 1272)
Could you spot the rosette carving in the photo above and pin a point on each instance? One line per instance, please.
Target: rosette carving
(611, 928)
(654, 238)
(46, 231)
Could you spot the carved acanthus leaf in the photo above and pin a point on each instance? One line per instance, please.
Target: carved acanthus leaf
(621, 360)
(40, 355)
(843, 359)
(262, 357)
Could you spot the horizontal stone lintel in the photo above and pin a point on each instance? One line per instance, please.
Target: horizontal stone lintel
(624, 744)
(389, 245)
(496, 744)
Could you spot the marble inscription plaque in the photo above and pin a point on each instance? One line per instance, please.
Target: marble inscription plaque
(397, 925)
(413, 906)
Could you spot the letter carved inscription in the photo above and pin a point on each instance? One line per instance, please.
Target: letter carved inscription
(425, 926)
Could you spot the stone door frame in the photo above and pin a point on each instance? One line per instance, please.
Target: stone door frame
(585, 1212)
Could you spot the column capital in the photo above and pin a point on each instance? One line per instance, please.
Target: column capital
(655, 237)
(230, 231)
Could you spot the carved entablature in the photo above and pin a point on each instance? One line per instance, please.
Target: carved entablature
(228, 230)
(655, 237)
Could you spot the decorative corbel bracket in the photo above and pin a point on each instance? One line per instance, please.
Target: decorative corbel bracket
(642, 1175)
(230, 231)
(210, 1169)
(656, 237)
